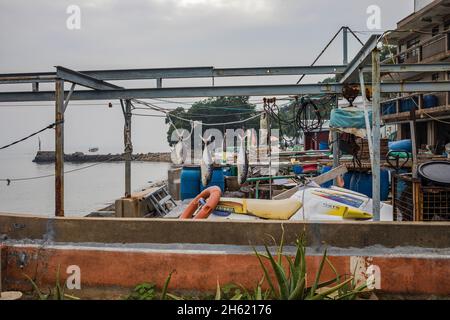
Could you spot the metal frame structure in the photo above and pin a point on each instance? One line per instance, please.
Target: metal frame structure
(367, 61)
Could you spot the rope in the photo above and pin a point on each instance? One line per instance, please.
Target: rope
(168, 114)
(436, 119)
(306, 116)
(50, 126)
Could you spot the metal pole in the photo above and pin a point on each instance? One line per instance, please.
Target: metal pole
(128, 148)
(1, 287)
(59, 148)
(269, 122)
(376, 114)
(159, 83)
(366, 115)
(412, 126)
(335, 141)
(345, 44)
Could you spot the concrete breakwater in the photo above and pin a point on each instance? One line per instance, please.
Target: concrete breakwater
(49, 157)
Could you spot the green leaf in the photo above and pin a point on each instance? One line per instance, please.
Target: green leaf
(218, 292)
(298, 291)
(324, 294)
(280, 248)
(266, 273)
(318, 274)
(280, 275)
(166, 285)
(41, 295)
(59, 291)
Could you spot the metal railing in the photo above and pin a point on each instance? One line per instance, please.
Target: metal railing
(423, 50)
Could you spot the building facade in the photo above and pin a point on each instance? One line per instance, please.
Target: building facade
(422, 37)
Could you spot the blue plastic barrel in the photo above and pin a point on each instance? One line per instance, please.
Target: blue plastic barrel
(298, 169)
(362, 182)
(408, 104)
(328, 184)
(217, 179)
(347, 179)
(430, 101)
(190, 182)
(388, 108)
(227, 172)
(401, 145)
(323, 145)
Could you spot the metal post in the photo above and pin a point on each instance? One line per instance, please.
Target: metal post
(335, 140)
(376, 114)
(128, 148)
(412, 127)
(59, 148)
(366, 115)
(1, 287)
(345, 44)
(269, 127)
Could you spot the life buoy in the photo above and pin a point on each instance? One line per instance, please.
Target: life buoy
(212, 197)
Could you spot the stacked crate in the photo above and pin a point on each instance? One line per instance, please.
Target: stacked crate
(364, 154)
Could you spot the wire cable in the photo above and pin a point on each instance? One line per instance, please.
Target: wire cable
(322, 52)
(50, 126)
(8, 181)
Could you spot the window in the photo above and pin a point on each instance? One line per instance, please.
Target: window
(435, 31)
(412, 42)
(447, 25)
(413, 55)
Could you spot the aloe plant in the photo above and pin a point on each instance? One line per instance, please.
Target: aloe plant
(56, 294)
(292, 285)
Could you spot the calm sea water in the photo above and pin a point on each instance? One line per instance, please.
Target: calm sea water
(85, 191)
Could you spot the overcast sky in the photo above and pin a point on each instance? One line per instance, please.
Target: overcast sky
(163, 33)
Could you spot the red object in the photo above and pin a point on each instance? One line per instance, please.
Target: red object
(212, 196)
(313, 139)
(309, 167)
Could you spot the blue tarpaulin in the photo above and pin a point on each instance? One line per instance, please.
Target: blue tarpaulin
(341, 118)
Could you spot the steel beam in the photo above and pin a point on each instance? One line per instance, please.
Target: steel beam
(83, 79)
(186, 92)
(376, 119)
(128, 148)
(177, 73)
(345, 45)
(277, 71)
(420, 86)
(208, 72)
(196, 92)
(59, 148)
(360, 60)
(420, 68)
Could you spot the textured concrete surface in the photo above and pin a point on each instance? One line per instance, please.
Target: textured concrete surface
(166, 231)
(199, 270)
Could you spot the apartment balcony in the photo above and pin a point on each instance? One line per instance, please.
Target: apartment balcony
(430, 106)
(434, 49)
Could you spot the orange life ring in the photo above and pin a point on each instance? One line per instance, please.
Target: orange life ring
(212, 197)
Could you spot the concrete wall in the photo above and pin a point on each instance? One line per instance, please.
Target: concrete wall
(116, 230)
(413, 258)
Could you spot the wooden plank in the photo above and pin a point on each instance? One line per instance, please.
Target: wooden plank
(328, 176)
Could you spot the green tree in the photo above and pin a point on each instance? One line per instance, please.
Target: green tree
(217, 110)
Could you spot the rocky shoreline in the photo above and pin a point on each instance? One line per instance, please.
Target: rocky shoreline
(49, 157)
